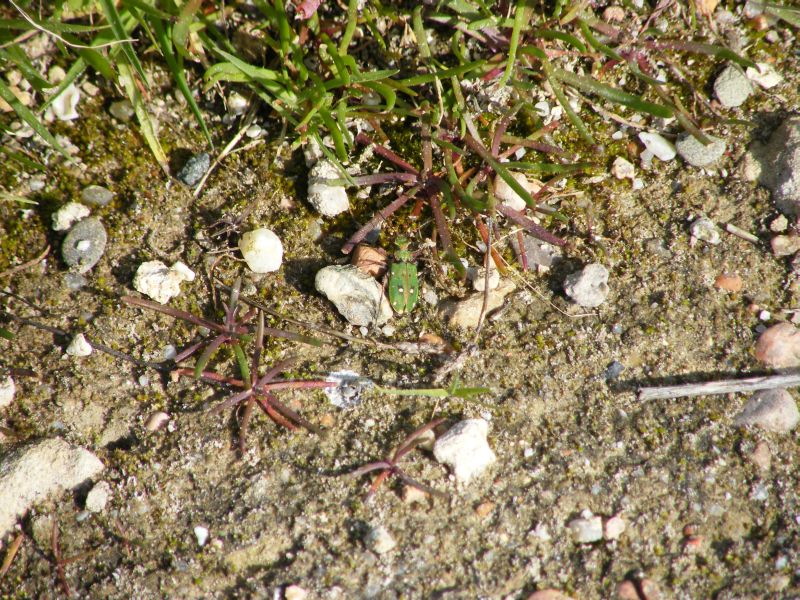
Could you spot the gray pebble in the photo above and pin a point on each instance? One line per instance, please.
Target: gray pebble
(731, 87)
(537, 252)
(195, 168)
(589, 286)
(694, 152)
(96, 195)
(357, 296)
(613, 371)
(121, 110)
(706, 230)
(84, 244)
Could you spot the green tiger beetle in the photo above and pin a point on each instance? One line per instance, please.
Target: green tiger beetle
(403, 279)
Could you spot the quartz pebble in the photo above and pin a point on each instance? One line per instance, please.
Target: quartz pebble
(464, 448)
(549, 594)
(356, 295)
(262, 250)
(589, 286)
(478, 278)
(379, 540)
(7, 390)
(329, 198)
(98, 497)
(79, 346)
(587, 528)
(659, 146)
(779, 346)
(773, 410)
(201, 533)
(732, 87)
(69, 214)
(159, 282)
(96, 195)
(194, 169)
(704, 229)
(697, 154)
(37, 471)
(295, 592)
(84, 244)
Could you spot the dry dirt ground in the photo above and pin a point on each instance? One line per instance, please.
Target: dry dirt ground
(566, 438)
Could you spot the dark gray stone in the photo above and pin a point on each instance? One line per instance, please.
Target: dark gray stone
(194, 169)
(84, 245)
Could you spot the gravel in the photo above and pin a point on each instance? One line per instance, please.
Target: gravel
(586, 529)
(98, 497)
(79, 346)
(659, 146)
(84, 245)
(122, 110)
(379, 540)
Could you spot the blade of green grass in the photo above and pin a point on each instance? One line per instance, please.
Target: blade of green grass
(121, 34)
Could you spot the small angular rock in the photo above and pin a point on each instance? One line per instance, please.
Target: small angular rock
(159, 282)
(697, 154)
(706, 230)
(466, 313)
(587, 528)
(98, 497)
(356, 295)
(122, 110)
(732, 87)
(589, 286)
(464, 448)
(658, 145)
(379, 540)
(84, 245)
(773, 410)
(506, 194)
(194, 169)
(79, 346)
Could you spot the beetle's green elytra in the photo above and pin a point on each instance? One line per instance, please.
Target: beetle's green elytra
(403, 280)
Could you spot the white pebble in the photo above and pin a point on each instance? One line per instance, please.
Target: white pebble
(613, 527)
(379, 540)
(329, 198)
(156, 421)
(773, 410)
(478, 278)
(658, 145)
(69, 214)
(589, 286)
(465, 449)
(295, 592)
(237, 103)
(201, 533)
(262, 250)
(587, 528)
(98, 497)
(79, 346)
(7, 391)
(159, 282)
(64, 106)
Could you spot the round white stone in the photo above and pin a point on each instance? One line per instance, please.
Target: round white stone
(262, 250)
(7, 391)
